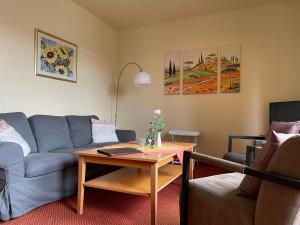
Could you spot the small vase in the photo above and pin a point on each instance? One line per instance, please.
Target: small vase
(158, 139)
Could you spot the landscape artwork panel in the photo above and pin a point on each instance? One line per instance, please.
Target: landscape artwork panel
(172, 73)
(230, 68)
(55, 58)
(200, 71)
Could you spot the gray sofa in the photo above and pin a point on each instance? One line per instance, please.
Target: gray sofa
(49, 172)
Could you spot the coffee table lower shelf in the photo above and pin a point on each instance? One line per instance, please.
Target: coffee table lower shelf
(135, 181)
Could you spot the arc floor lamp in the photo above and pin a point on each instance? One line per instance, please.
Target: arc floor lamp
(141, 79)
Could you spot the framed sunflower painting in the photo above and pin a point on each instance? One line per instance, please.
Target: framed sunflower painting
(54, 57)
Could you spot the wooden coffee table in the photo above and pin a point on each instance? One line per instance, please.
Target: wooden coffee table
(143, 174)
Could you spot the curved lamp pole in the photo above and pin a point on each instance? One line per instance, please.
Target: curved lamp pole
(141, 79)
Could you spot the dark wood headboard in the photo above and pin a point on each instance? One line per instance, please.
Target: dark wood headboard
(284, 111)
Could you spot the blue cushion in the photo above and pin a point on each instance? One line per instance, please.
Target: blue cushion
(38, 164)
(19, 121)
(80, 129)
(126, 135)
(73, 151)
(51, 132)
(99, 145)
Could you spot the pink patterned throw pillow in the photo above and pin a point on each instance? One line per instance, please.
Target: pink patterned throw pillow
(250, 185)
(9, 134)
(107, 122)
(103, 131)
(284, 127)
(3, 125)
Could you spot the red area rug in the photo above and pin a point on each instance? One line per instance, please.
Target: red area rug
(111, 208)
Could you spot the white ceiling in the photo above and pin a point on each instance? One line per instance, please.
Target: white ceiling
(131, 13)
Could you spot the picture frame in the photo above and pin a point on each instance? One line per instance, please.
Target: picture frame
(230, 74)
(55, 57)
(200, 71)
(172, 80)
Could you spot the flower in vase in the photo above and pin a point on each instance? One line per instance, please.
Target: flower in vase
(157, 111)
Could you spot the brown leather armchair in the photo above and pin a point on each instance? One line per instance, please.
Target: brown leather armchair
(215, 201)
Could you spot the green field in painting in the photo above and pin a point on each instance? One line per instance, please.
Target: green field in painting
(197, 73)
(171, 80)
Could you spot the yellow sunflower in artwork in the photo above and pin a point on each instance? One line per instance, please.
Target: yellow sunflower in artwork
(61, 70)
(63, 52)
(50, 54)
(71, 63)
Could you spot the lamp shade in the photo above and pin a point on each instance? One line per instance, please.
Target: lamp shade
(142, 79)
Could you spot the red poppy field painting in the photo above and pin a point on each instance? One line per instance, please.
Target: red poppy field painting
(200, 71)
(172, 73)
(230, 68)
(54, 57)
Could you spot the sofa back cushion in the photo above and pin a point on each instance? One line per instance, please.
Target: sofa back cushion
(51, 132)
(80, 129)
(19, 121)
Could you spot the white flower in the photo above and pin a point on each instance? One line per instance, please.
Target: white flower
(157, 111)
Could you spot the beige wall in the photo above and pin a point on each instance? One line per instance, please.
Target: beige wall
(97, 56)
(270, 39)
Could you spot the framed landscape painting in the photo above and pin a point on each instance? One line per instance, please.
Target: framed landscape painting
(172, 73)
(230, 68)
(55, 58)
(200, 71)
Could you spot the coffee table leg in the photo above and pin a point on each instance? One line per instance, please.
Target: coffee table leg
(154, 181)
(81, 180)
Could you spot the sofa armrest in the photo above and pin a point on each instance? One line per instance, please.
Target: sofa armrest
(126, 135)
(10, 154)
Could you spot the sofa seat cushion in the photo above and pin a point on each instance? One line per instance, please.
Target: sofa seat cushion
(70, 151)
(80, 129)
(51, 132)
(99, 145)
(214, 201)
(19, 121)
(73, 151)
(38, 164)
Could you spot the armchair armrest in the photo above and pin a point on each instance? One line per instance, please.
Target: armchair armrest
(242, 137)
(126, 135)
(251, 153)
(10, 154)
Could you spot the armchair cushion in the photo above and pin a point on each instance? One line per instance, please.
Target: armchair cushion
(278, 204)
(250, 185)
(214, 201)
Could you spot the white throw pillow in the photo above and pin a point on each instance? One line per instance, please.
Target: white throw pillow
(9, 134)
(103, 131)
